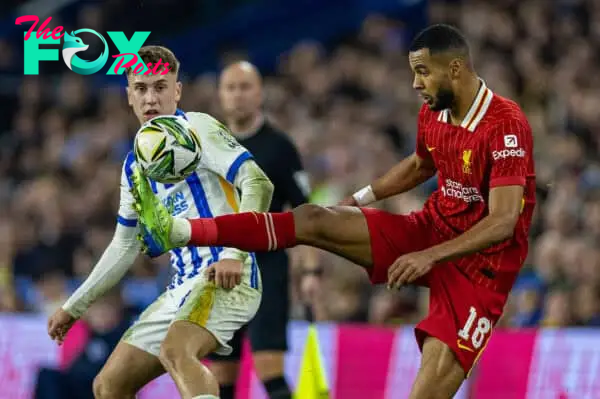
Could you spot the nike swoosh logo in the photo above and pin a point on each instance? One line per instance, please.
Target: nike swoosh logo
(463, 347)
(431, 148)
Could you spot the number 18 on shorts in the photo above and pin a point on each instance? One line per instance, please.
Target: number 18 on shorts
(475, 331)
(461, 314)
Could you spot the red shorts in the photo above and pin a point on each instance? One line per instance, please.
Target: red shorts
(461, 313)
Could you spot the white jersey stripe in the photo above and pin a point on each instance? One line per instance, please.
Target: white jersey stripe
(478, 108)
(269, 235)
(271, 226)
(475, 106)
(487, 100)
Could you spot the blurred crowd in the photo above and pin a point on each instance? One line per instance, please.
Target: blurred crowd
(352, 113)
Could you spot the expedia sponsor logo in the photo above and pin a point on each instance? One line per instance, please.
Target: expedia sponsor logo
(510, 141)
(506, 153)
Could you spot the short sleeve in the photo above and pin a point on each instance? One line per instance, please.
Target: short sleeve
(127, 216)
(510, 148)
(221, 152)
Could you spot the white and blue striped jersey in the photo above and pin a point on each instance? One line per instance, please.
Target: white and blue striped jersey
(208, 192)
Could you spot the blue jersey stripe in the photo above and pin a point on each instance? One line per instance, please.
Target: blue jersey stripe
(196, 261)
(180, 264)
(126, 222)
(202, 206)
(253, 272)
(235, 166)
(128, 167)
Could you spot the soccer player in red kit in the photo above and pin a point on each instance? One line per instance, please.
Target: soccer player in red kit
(467, 244)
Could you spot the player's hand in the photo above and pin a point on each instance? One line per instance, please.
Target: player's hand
(408, 268)
(348, 201)
(59, 325)
(226, 273)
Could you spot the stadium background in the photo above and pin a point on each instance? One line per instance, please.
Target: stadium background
(337, 79)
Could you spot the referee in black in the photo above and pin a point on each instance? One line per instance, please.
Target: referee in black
(241, 97)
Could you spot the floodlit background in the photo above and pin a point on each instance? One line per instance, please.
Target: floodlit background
(338, 81)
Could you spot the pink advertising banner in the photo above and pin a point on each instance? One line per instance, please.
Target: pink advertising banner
(24, 347)
(356, 362)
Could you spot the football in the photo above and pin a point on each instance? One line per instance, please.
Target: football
(167, 149)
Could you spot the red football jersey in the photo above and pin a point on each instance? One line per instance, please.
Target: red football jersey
(492, 147)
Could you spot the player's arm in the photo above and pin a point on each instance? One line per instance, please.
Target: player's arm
(510, 148)
(504, 209)
(117, 258)
(406, 175)
(255, 187)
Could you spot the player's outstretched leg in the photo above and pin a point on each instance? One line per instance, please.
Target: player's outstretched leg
(340, 230)
(440, 375)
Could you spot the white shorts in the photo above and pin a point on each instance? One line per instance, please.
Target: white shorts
(221, 312)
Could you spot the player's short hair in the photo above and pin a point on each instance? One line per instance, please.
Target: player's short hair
(153, 54)
(440, 38)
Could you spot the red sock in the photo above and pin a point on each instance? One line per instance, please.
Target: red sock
(248, 231)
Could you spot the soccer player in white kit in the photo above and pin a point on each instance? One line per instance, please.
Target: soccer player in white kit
(199, 312)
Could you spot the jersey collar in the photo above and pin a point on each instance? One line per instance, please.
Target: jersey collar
(477, 110)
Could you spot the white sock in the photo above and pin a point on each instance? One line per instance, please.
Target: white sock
(181, 232)
(205, 397)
